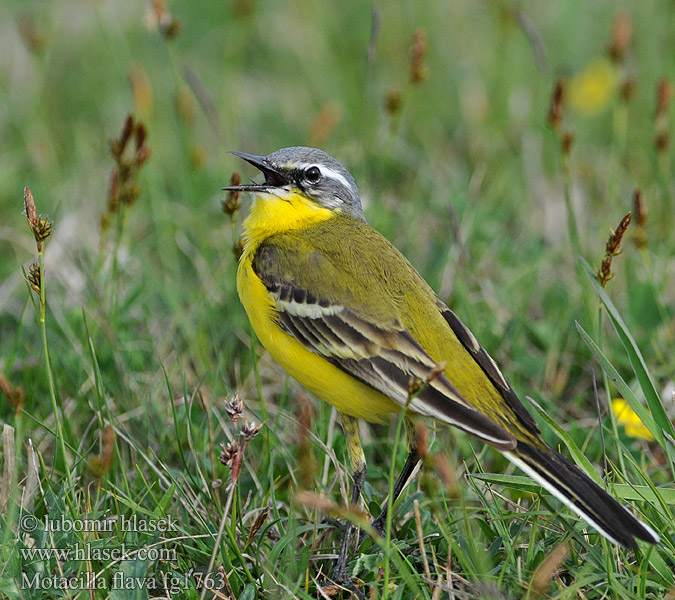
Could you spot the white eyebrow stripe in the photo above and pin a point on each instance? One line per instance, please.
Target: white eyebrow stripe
(327, 172)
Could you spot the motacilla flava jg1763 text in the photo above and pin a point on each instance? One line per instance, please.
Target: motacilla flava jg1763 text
(344, 313)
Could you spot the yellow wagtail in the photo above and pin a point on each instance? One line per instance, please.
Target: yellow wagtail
(344, 313)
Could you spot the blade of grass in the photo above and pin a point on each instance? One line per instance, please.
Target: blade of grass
(634, 355)
(624, 389)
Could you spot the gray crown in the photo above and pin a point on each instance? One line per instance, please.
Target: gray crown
(335, 187)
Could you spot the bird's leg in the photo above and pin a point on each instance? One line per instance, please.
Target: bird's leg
(357, 460)
(380, 522)
(404, 477)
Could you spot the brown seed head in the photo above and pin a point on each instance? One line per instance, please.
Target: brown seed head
(418, 53)
(555, 113)
(34, 277)
(627, 90)
(30, 209)
(447, 474)
(566, 143)
(229, 453)
(250, 430)
(664, 96)
(40, 225)
(415, 384)
(421, 439)
(124, 188)
(640, 210)
(117, 146)
(33, 38)
(15, 394)
(234, 408)
(324, 124)
(612, 249)
(622, 33)
(141, 89)
(100, 465)
(43, 230)
(140, 136)
(548, 569)
(616, 236)
(662, 141)
(168, 25)
(393, 101)
(185, 104)
(231, 204)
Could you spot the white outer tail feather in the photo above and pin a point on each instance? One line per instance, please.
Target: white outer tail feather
(547, 485)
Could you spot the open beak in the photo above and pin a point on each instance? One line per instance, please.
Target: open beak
(273, 179)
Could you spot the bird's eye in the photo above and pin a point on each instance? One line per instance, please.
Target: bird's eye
(313, 174)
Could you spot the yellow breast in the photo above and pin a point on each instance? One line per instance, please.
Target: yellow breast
(316, 374)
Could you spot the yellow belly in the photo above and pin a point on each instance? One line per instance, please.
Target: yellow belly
(320, 377)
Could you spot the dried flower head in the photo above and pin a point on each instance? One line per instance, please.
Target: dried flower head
(231, 204)
(124, 188)
(627, 89)
(33, 38)
(141, 89)
(566, 143)
(622, 33)
(229, 453)
(612, 249)
(234, 408)
(664, 97)
(15, 394)
(393, 101)
(418, 53)
(324, 124)
(117, 146)
(34, 277)
(250, 430)
(640, 211)
(421, 438)
(555, 112)
(100, 465)
(415, 385)
(40, 225)
(30, 209)
(168, 25)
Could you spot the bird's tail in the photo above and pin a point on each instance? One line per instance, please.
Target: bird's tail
(580, 493)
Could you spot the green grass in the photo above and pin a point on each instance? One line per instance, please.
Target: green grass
(147, 340)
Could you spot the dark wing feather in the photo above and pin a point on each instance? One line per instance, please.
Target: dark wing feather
(489, 367)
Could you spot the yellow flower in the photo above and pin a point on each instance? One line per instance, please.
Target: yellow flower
(591, 90)
(626, 416)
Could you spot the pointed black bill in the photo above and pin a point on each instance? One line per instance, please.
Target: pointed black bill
(273, 178)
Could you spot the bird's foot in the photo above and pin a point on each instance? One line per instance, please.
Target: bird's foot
(378, 526)
(341, 579)
(341, 527)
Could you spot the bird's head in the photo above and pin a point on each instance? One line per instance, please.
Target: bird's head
(306, 172)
